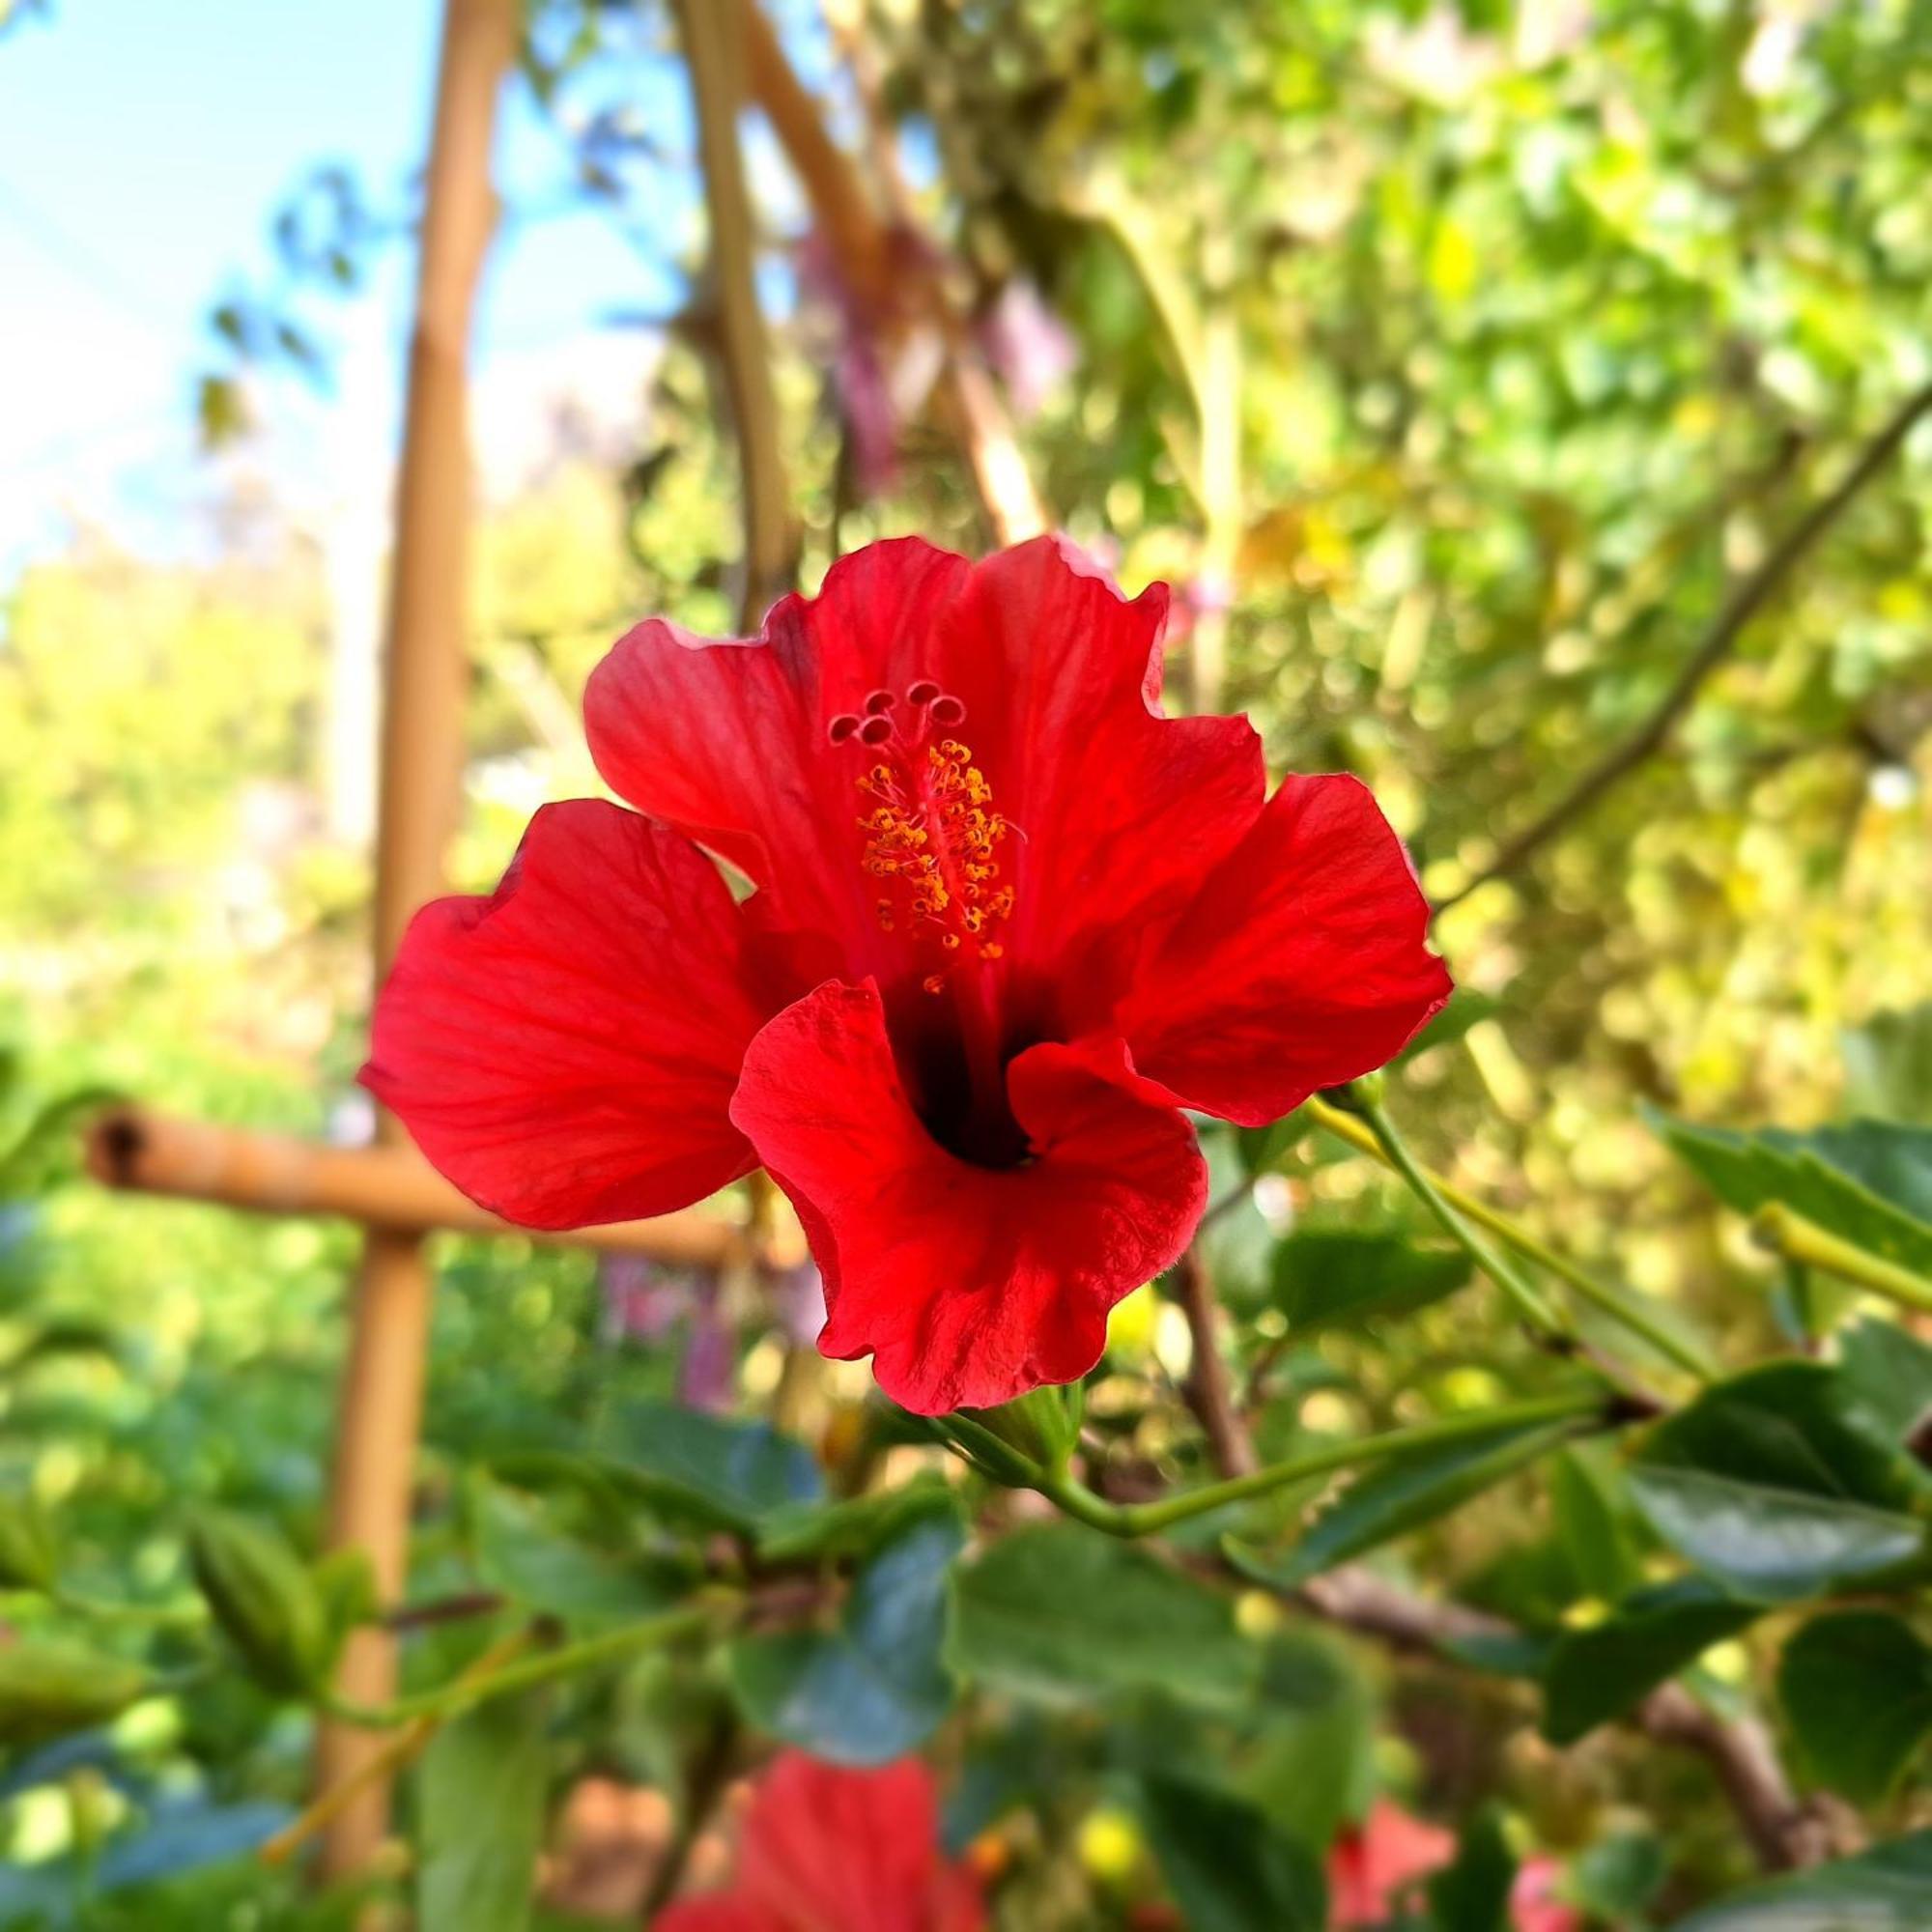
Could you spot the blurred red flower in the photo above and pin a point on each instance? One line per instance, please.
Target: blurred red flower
(1373, 1865)
(827, 1850)
(1375, 1869)
(1010, 919)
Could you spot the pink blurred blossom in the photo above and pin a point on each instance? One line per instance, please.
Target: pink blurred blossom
(1027, 346)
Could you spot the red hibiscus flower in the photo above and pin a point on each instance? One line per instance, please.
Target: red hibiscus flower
(1376, 1869)
(1372, 1867)
(1010, 919)
(826, 1850)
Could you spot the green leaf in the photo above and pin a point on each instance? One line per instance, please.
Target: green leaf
(708, 1470)
(1886, 1890)
(1616, 1878)
(1229, 1868)
(1888, 1065)
(1059, 1613)
(484, 1783)
(827, 1532)
(1331, 1277)
(1312, 1759)
(1590, 1504)
(1778, 1484)
(1594, 1674)
(1770, 1544)
(521, 1552)
(49, 1688)
(29, 1555)
(876, 1686)
(1870, 1183)
(1890, 1372)
(1473, 1893)
(1401, 1495)
(1858, 1689)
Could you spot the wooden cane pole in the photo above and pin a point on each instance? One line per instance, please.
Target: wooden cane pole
(424, 689)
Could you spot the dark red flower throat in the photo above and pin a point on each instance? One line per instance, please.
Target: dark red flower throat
(934, 844)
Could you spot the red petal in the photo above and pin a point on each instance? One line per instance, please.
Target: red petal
(727, 741)
(1118, 810)
(968, 1285)
(720, 1912)
(565, 1050)
(831, 1850)
(1303, 963)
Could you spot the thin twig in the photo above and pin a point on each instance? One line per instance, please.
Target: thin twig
(891, 279)
(1743, 605)
(1207, 1390)
(706, 1781)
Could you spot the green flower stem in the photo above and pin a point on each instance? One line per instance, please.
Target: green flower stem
(1618, 1304)
(1357, 1452)
(1530, 1304)
(451, 1700)
(1803, 1242)
(989, 1453)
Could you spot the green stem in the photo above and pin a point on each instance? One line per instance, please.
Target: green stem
(1801, 1241)
(989, 1453)
(1358, 1452)
(449, 1701)
(1618, 1304)
(1530, 1305)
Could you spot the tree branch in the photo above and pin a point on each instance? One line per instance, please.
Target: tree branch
(1784, 1831)
(1743, 605)
(1207, 1392)
(862, 241)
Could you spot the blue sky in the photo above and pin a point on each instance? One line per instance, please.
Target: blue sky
(143, 151)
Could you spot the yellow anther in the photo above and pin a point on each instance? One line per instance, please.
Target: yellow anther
(933, 829)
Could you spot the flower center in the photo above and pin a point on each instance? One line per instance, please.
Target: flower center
(932, 836)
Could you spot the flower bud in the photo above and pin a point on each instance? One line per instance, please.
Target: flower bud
(48, 1689)
(265, 1600)
(1361, 1095)
(1043, 1425)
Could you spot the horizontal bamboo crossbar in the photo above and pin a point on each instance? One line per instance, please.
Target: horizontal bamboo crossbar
(392, 1187)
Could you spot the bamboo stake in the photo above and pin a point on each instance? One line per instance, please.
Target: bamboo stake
(425, 675)
(391, 1187)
